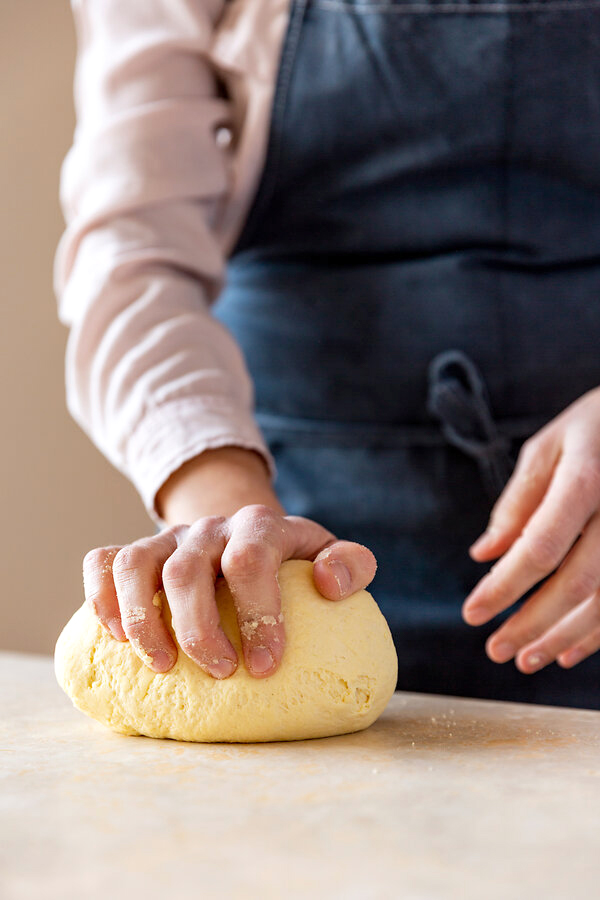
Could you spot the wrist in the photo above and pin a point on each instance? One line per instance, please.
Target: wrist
(217, 482)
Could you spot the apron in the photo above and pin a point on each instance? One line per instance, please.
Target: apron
(416, 290)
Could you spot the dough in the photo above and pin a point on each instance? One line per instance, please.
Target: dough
(338, 672)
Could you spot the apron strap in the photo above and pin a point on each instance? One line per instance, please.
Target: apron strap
(459, 399)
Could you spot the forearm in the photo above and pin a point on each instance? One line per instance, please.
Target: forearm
(151, 375)
(218, 482)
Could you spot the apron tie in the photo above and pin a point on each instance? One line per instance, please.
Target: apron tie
(459, 399)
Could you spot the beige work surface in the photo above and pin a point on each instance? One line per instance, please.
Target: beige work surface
(441, 798)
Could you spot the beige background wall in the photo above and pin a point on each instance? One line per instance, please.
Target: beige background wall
(59, 497)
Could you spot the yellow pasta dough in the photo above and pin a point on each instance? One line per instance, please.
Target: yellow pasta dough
(338, 672)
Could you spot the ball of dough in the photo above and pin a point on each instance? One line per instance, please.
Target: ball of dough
(337, 674)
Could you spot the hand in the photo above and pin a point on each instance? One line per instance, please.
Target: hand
(546, 521)
(248, 548)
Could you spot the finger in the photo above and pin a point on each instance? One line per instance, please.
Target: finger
(340, 567)
(520, 498)
(343, 568)
(304, 539)
(574, 655)
(99, 589)
(137, 575)
(189, 581)
(259, 540)
(572, 584)
(570, 632)
(571, 500)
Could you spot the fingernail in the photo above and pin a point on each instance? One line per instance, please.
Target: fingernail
(342, 575)
(162, 661)
(260, 660)
(504, 651)
(222, 668)
(536, 661)
(571, 658)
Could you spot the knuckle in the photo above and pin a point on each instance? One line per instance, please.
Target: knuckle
(95, 561)
(191, 643)
(94, 593)
(247, 559)
(207, 525)
(188, 644)
(128, 560)
(181, 570)
(199, 641)
(136, 631)
(168, 540)
(257, 515)
(543, 551)
(176, 531)
(213, 521)
(147, 546)
(260, 510)
(136, 620)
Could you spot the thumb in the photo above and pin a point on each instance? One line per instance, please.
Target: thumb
(343, 568)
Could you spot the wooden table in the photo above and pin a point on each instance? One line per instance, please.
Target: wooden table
(441, 798)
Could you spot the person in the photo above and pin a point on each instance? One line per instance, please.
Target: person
(330, 268)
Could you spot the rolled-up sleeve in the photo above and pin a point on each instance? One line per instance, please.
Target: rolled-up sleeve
(151, 376)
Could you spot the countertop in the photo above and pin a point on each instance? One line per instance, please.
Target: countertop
(441, 798)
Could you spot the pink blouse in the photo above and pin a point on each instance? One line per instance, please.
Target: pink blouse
(155, 190)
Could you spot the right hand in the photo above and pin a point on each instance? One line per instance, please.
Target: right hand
(247, 548)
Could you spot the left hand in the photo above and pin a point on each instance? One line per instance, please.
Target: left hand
(546, 519)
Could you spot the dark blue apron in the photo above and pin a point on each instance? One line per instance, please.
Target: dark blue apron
(423, 252)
